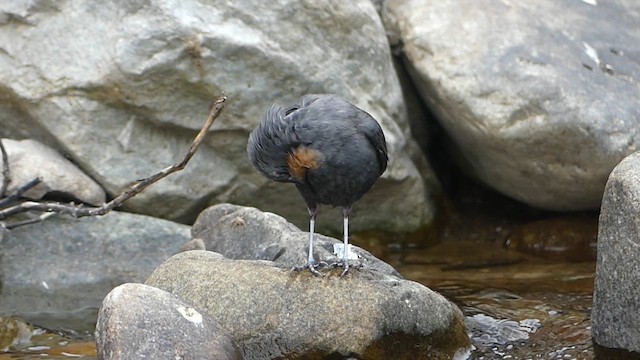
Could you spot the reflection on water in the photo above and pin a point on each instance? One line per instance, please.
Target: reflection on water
(50, 345)
(517, 306)
(52, 336)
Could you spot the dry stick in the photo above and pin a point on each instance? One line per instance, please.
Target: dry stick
(18, 193)
(40, 218)
(79, 211)
(6, 176)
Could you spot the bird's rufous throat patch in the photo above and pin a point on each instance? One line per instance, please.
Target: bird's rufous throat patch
(301, 159)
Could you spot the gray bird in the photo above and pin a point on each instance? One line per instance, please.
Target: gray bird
(330, 149)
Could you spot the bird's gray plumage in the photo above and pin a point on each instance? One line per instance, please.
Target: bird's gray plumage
(351, 144)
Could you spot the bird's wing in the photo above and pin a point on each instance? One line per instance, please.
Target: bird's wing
(373, 132)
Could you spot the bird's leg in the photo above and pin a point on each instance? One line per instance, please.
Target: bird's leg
(311, 262)
(312, 221)
(344, 262)
(345, 249)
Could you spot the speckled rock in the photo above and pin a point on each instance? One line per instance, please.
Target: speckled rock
(137, 321)
(276, 313)
(239, 232)
(616, 301)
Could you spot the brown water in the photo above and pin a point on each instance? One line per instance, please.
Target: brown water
(520, 307)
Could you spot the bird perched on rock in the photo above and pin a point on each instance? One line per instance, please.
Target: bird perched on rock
(330, 149)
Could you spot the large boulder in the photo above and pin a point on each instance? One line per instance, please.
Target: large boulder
(122, 87)
(64, 265)
(138, 321)
(616, 301)
(273, 312)
(540, 106)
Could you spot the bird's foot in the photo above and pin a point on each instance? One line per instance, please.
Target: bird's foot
(313, 266)
(343, 264)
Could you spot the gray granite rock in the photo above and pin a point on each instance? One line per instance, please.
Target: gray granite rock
(540, 98)
(29, 159)
(137, 321)
(239, 232)
(276, 313)
(616, 302)
(136, 79)
(64, 265)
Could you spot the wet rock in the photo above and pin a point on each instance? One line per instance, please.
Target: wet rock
(488, 331)
(566, 238)
(136, 81)
(137, 321)
(616, 301)
(29, 159)
(528, 103)
(239, 232)
(277, 313)
(14, 333)
(63, 264)
(193, 244)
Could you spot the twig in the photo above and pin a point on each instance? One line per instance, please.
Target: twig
(80, 211)
(6, 176)
(16, 224)
(18, 193)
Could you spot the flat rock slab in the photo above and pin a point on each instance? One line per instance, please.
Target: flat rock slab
(616, 301)
(240, 232)
(277, 313)
(137, 321)
(63, 265)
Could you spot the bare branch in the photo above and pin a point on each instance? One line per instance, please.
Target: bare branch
(80, 211)
(40, 218)
(18, 193)
(6, 176)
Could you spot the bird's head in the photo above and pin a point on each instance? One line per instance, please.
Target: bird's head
(268, 152)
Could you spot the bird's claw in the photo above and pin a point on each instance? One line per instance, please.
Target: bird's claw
(345, 271)
(343, 264)
(312, 266)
